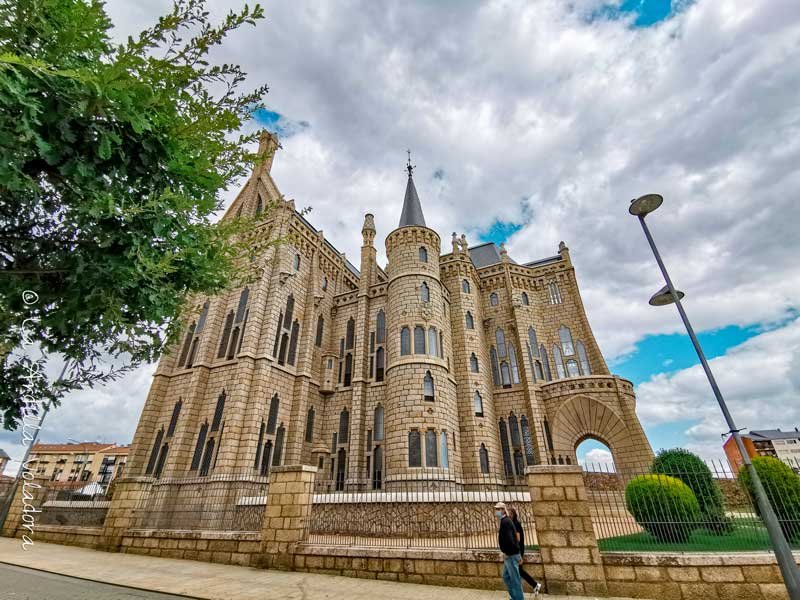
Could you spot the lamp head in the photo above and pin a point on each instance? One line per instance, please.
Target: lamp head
(644, 205)
(663, 297)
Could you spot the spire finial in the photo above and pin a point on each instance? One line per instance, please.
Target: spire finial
(409, 167)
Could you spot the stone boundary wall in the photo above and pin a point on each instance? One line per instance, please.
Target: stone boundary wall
(66, 535)
(479, 569)
(224, 547)
(736, 576)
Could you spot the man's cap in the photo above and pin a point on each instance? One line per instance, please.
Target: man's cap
(500, 505)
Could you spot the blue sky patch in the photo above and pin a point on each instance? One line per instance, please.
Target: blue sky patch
(499, 232)
(669, 353)
(278, 123)
(646, 12)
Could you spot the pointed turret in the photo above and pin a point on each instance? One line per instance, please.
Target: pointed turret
(412, 210)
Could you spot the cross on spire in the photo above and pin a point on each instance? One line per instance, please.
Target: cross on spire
(409, 167)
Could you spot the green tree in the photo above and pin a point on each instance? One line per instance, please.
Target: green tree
(112, 161)
(782, 486)
(664, 506)
(690, 468)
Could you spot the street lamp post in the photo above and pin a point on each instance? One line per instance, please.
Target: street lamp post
(640, 208)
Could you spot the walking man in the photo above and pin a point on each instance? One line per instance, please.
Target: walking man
(507, 539)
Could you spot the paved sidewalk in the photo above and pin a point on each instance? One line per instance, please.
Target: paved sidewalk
(210, 581)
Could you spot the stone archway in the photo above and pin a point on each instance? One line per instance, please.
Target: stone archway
(581, 417)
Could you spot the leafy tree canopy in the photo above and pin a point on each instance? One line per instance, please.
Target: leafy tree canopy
(112, 161)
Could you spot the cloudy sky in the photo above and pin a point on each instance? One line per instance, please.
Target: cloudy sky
(532, 122)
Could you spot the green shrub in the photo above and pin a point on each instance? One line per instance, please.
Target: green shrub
(783, 489)
(692, 471)
(664, 506)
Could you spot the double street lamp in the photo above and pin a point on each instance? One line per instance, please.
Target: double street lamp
(641, 207)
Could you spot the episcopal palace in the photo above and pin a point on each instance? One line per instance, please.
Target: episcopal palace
(458, 365)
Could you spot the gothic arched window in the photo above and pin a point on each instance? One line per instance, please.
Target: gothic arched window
(565, 335)
(320, 331)
(465, 286)
(483, 457)
(344, 426)
(505, 374)
(432, 341)
(559, 362)
(572, 368)
(477, 402)
(512, 357)
(431, 455)
(493, 299)
(377, 424)
(405, 341)
(350, 337)
(495, 366)
(310, 425)
(427, 387)
(419, 340)
(470, 321)
(296, 262)
(423, 254)
(445, 459)
(272, 417)
(380, 364)
(473, 363)
(525, 300)
(380, 327)
(543, 353)
(587, 370)
(414, 449)
(424, 292)
(500, 338)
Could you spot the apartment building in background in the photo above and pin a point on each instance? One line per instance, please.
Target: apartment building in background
(78, 462)
(784, 445)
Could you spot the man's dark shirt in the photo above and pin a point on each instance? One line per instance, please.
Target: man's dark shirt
(507, 537)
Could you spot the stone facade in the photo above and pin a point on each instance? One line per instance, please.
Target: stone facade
(461, 368)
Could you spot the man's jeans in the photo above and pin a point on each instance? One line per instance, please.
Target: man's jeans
(511, 577)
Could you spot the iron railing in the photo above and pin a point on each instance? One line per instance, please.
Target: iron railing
(432, 510)
(73, 503)
(219, 502)
(723, 520)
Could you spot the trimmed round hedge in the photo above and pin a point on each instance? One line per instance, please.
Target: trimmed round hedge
(663, 506)
(692, 471)
(782, 485)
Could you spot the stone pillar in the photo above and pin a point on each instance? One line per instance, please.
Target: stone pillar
(572, 563)
(129, 493)
(28, 500)
(287, 516)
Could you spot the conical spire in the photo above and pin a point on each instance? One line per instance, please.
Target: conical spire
(412, 210)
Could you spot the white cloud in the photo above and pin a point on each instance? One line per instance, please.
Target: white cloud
(759, 380)
(537, 116)
(599, 458)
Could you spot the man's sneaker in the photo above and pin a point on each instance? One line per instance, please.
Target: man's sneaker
(536, 591)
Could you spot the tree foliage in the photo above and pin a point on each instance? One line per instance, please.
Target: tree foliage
(112, 160)
(690, 468)
(782, 486)
(664, 506)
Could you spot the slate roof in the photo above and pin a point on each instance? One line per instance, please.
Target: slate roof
(763, 435)
(412, 210)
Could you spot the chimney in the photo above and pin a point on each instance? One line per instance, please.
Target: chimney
(268, 144)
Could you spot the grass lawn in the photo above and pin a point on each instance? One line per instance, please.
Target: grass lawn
(743, 537)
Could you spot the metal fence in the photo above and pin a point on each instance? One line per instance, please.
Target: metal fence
(640, 510)
(74, 503)
(220, 502)
(430, 511)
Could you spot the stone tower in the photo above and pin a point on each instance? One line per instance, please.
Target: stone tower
(421, 406)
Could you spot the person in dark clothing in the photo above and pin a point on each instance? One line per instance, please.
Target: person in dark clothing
(507, 540)
(537, 587)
